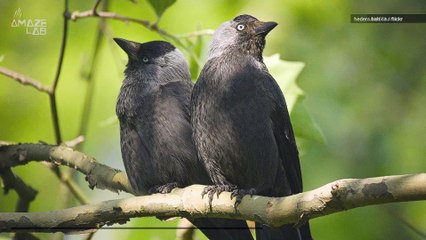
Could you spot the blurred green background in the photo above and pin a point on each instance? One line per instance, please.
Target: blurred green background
(364, 85)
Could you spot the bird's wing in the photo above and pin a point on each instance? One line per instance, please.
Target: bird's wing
(136, 135)
(177, 93)
(133, 150)
(284, 135)
(174, 100)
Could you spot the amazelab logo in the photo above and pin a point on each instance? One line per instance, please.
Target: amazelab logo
(35, 26)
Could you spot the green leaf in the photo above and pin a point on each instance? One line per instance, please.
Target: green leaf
(160, 6)
(304, 126)
(286, 73)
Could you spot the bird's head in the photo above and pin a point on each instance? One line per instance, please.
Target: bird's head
(244, 34)
(157, 60)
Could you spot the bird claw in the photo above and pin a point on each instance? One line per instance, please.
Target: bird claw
(166, 188)
(218, 189)
(239, 194)
(209, 190)
(235, 192)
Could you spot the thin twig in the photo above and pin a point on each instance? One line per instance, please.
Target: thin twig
(204, 32)
(88, 100)
(63, 46)
(96, 7)
(73, 142)
(55, 118)
(53, 105)
(103, 14)
(25, 80)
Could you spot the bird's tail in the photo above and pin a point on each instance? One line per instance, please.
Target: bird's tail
(220, 228)
(287, 232)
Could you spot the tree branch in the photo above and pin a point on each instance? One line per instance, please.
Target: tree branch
(111, 15)
(25, 192)
(98, 175)
(334, 197)
(25, 80)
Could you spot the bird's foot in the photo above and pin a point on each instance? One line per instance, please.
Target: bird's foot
(218, 189)
(236, 193)
(166, 188)
(240, 193)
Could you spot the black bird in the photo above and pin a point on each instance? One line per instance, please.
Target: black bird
(153, 108)
(241, 125)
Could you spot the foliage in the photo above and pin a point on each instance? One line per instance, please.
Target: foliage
(285, 73)
(161, 5)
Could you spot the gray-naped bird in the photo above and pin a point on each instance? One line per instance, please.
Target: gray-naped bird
(156, 137)
(241, 125)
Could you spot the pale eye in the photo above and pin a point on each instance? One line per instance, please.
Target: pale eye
(240, 27)
(145, 59)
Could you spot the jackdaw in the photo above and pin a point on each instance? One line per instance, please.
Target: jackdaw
(156, 137)
(241, 125)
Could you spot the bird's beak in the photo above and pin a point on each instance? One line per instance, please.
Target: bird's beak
(264, 28)
(131, 48)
